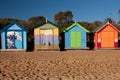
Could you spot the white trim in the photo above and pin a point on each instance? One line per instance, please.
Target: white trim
(116, 40)
(99, 40)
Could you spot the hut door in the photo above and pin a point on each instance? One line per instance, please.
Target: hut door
(107, 39)
(14, 40)
(75, 39)
(46, 38)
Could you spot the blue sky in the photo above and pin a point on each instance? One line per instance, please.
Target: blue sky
(83, 10)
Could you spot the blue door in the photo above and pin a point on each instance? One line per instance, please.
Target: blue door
(14, 40)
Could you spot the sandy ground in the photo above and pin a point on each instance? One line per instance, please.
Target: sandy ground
(56, 65)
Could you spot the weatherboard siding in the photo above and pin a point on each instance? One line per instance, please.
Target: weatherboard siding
(75, 32)
(106, 37)
(67, 40)
(37, 31)
(46, 36)
(14, 27)
(3, 40)
(13, 37)
(24, 40)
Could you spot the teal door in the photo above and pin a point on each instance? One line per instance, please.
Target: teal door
(75, 39)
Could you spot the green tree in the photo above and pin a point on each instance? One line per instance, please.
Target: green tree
(6, 21)
(113, 22)
(110, 21)
(119, 11)
(91, 26)
(119, 17)
(34, 20)
(63, 19)
(85, 24)
(95, 24)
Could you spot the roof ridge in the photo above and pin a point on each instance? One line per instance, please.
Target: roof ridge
(44, 22)
(103, 25)
(76, 23)
(10, 24)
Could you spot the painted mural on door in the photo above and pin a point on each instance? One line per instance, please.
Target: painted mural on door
(46, 37)
(14, 40)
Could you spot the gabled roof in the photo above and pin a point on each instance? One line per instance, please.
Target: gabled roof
(9, 25)
(75, 24)
(99, 28)
(44, 22)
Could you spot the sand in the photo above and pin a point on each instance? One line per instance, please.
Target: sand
(56, 65)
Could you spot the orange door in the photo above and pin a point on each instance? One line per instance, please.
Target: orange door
(107, 39)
